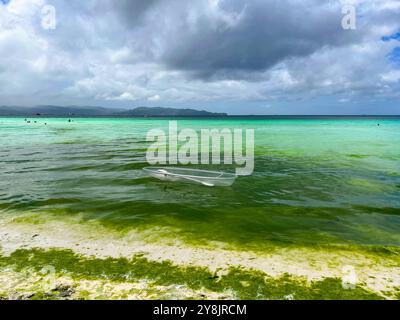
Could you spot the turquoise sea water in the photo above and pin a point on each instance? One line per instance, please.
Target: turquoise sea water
(316, 181)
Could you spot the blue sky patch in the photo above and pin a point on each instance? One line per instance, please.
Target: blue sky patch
(394, 56)
(5, 2)
(394, 36)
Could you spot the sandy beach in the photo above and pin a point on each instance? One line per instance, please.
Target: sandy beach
(376, 273)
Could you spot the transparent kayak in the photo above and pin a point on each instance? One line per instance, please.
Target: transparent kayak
(203, 177)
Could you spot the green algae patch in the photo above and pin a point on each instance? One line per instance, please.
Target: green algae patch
(33, 219)
(255, 227)
(358, 156)
(384, 252)
(238, 283)
(388, 255)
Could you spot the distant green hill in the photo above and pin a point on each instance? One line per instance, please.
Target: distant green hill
(70, 111)
(168, 112)
(49, 110)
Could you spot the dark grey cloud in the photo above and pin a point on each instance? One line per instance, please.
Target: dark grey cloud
(210, 40)
(235, 36)
(133, 11)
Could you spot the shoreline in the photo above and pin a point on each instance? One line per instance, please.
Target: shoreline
(376, 273)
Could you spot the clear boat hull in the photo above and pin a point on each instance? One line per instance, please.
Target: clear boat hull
(204, 177)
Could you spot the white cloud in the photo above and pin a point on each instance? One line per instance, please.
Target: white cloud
(24, 7)
(126, 96)
(156, 97)
(391, 76)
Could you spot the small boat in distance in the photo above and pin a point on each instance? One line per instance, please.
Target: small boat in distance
(203, 177)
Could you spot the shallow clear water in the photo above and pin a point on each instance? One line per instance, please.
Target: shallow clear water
(316, 181)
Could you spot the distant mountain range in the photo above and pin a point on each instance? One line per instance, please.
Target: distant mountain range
(82, 111)
(168, 112)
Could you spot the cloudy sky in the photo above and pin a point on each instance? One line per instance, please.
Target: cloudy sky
(235, 56)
